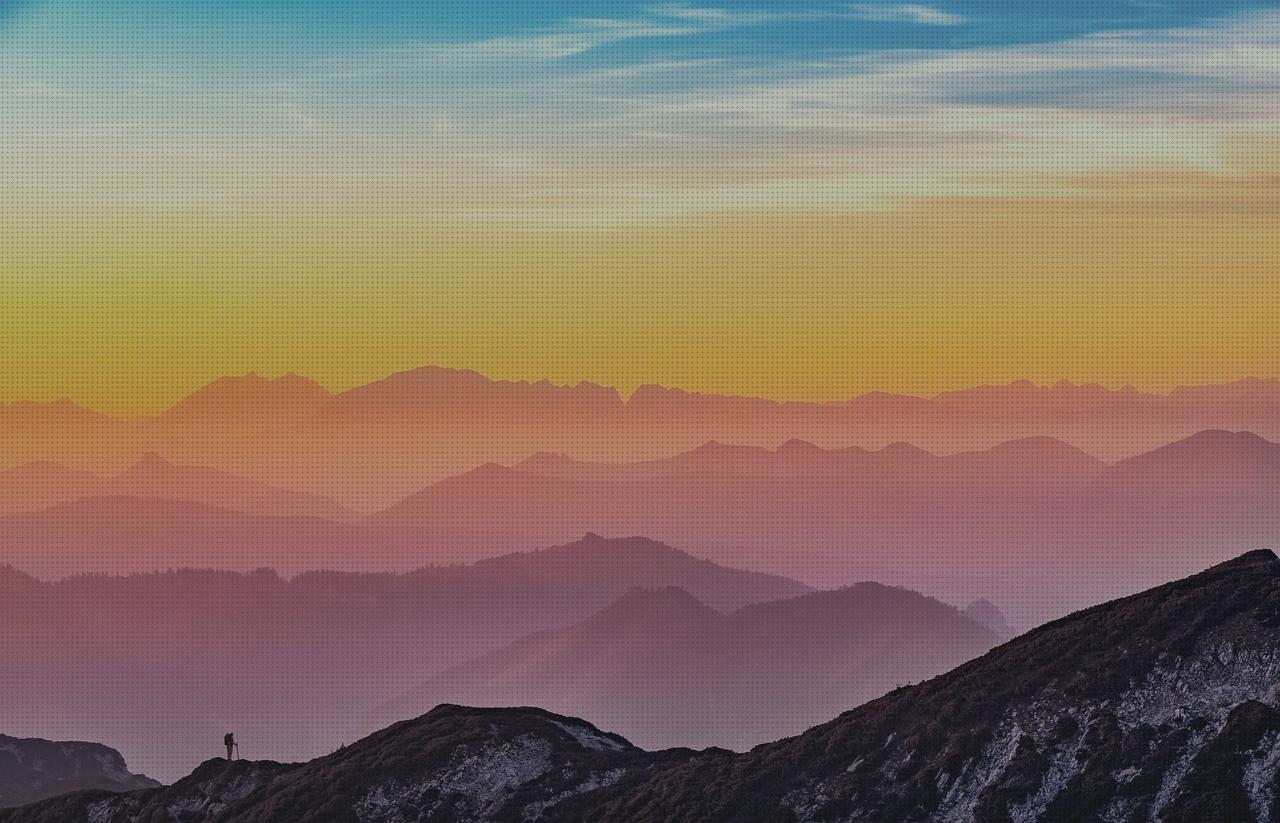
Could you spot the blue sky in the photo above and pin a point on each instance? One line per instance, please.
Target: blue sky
(663, 107)
(271, 33)
(356, 21)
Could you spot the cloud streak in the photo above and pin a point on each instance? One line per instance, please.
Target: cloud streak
(541, 127)
(906, 13)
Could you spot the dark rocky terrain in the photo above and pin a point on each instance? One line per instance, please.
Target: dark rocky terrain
(1160, 706)
(451, 764)
(33, 769)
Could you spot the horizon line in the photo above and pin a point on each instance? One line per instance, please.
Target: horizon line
(626, 397)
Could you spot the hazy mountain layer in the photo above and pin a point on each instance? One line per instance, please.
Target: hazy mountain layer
(377, 443)
(665, 670)
(1034, 524)
(162, 665)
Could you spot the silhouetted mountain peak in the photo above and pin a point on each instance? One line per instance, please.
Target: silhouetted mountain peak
(653, 392)
(591, 541)
(253, 384)
(797, 447)
(1041, 449)
(493, 470)
(1218, 442)
(150, 462)
(593, 545)
(867, 600)
(903, 451)
(716, 449)
(1257, 561)
(444, 384)
(988, 614)
(248, 400)
(1208, 465)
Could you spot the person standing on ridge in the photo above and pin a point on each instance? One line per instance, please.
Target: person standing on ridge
(229, 740)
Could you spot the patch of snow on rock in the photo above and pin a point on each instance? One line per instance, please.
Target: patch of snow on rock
(962, 798)
(589, 738)
(240, 787)
(1064, 765)
(99, 812)
(805, 803)
(237, 789)
(1259, 776)
(595, 780)
(479, 781)
(1215, 678)
(1177, 772)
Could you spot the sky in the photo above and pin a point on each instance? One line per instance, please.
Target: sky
(800, 200)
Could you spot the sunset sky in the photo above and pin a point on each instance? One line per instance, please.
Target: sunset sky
(792, 199)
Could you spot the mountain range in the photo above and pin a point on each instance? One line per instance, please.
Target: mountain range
(1031, 523)
(162, 664)
(1159, 706)
(665, 670)
(377, 443)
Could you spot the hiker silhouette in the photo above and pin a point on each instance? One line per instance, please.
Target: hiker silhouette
(229, 740)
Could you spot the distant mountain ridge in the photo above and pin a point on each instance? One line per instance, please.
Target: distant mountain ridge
(42, 485)
(32, 770)
(665, 670)
(373, 444)
(1212, 466)
(1035, 519)
(1030, 523)
(1158, 706)
(1032, 459)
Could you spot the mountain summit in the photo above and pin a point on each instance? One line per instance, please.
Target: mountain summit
(1161, 706)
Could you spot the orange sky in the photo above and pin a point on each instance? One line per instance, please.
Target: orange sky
(743, 198)
(127, 315)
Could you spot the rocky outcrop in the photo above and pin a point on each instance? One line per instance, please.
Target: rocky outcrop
(33, 769)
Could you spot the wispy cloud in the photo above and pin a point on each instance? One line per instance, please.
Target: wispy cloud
(867, 12)
(579, 35)
(518, 124)
(906, 13)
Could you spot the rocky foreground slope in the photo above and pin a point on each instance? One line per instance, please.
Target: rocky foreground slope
(1161, 706)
